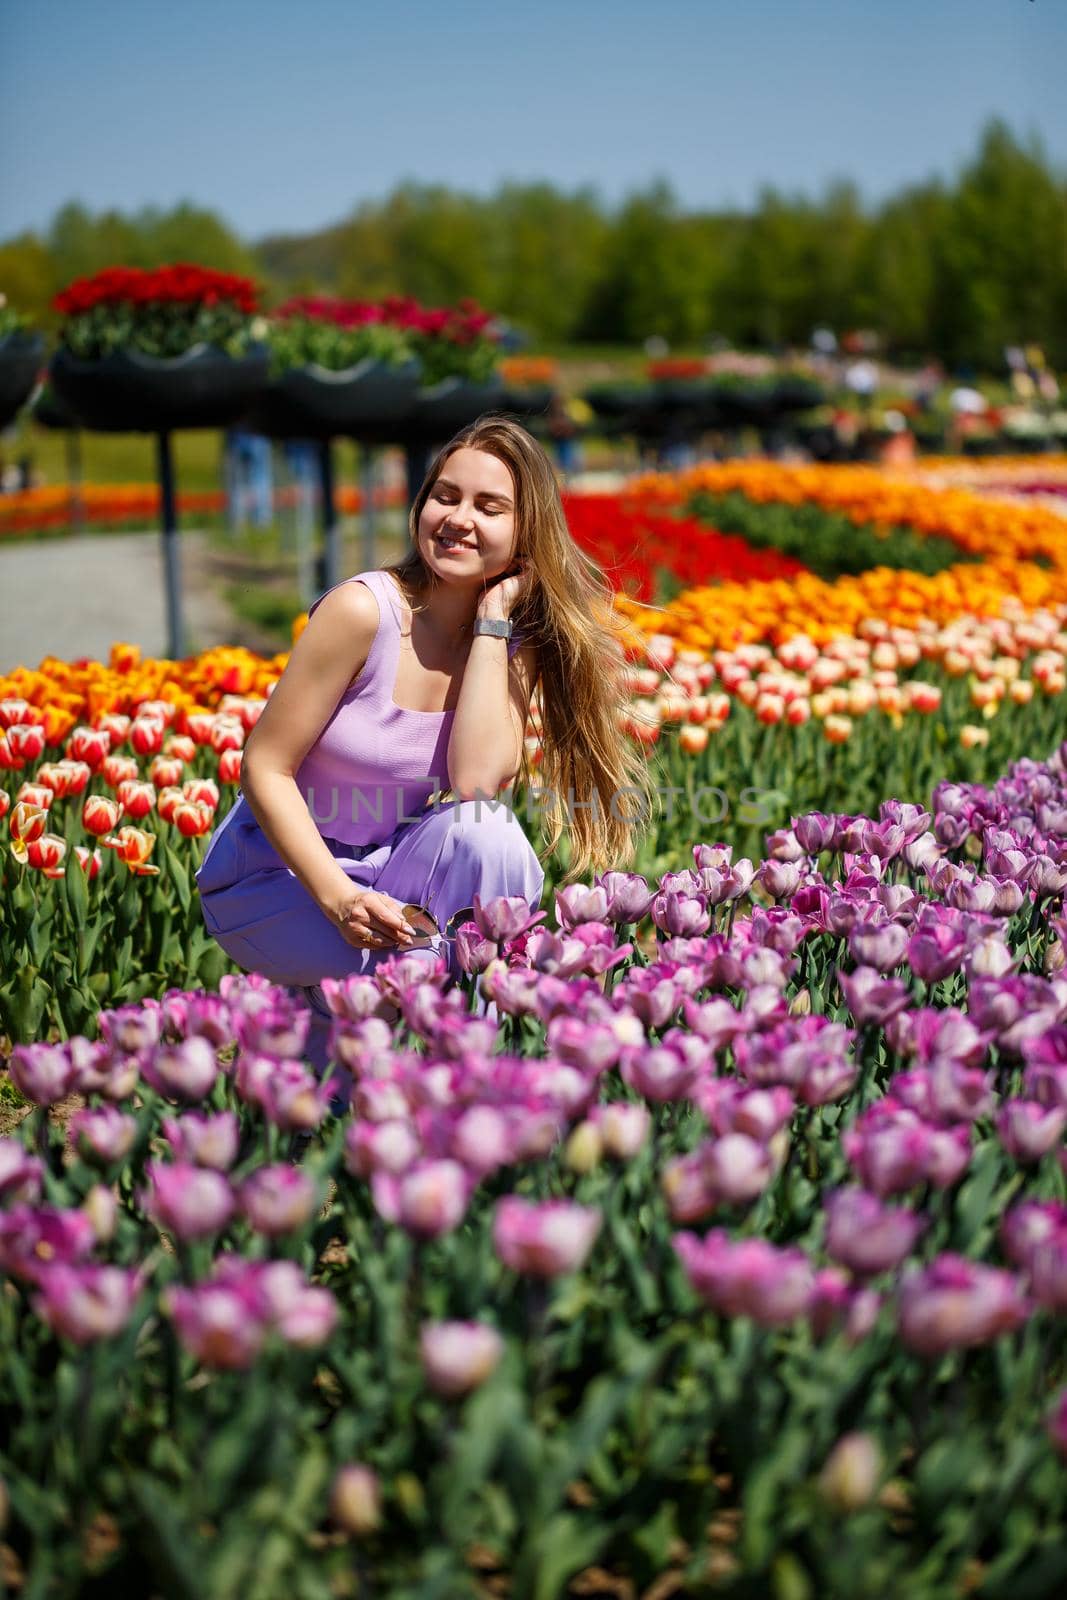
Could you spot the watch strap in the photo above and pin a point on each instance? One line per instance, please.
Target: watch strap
(496, 627)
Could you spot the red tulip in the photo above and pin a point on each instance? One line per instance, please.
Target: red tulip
(115, 724)
(26, 824)
(5, 802)
(167, 801)
(46, 853)
(227, 733)
(90, 745)
(230, 766)
(116, 769)
(90, 861)
(180, 747)
(165, 771)
(13, 711)
(100, 814)
(146, 735)
(192, 818)
(25, 740)
(198, 725)
(206, 790)
(137, 799)
(36, 794)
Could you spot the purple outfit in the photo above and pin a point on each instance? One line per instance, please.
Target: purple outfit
(367, 781)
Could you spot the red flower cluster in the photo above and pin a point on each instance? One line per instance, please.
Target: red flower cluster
(677, 367)
(631, 544)
(462, 324)
(181, 284)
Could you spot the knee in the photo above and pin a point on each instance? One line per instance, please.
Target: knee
(481, 829)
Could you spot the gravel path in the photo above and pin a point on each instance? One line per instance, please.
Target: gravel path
(74, 597)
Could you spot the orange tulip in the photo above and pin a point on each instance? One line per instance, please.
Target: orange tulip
(133, 846)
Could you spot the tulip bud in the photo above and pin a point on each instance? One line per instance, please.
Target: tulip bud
(102, 1209)
(850, 1477)
(583, 1149)
(800, 1005)
(356, 1500)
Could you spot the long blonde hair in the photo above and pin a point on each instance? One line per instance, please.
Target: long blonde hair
(568, 612)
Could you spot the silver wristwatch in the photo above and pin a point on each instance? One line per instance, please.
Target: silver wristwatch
(496, 627)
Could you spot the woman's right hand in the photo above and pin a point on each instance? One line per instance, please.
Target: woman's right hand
(370, 920)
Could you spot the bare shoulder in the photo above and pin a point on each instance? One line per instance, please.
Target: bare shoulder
(342, 626)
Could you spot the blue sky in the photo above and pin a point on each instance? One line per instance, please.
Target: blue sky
(283, 114)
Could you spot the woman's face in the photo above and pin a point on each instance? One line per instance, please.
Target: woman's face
(466, 529)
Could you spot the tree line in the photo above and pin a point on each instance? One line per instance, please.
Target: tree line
(957, 268)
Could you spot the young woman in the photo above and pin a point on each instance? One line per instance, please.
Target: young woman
(366, 824)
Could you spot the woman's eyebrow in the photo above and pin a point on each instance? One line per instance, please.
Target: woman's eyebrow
(483, 494)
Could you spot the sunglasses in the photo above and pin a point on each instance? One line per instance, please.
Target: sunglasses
(424, 922)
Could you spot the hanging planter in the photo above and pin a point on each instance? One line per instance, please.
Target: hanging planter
(130, 391)
(21, 357)
(150, 352)
(314, 403)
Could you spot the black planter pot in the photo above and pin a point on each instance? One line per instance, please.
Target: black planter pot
(314, 403)
(21, 356)
(441, 410)
(130, 392)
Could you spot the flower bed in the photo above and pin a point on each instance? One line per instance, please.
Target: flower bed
(112, 505)
(740, 1259)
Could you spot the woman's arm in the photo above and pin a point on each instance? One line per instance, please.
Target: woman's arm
(485, 748)
(329, 653)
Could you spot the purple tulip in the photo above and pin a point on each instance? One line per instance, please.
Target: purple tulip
(747, 1277)
(458, 1356)
(103, 1134)
(304, 1314)
(628, 896)
(183, 1071)
(686, 1189)
(505, 917)
(354, 997)
(20, 1173)
(651, 995)
(428, 1200)
(892, 1150)
(221, 1324)
(827, 1077)
(577, 903)
(131, 1029)
(659, 1073)
(623, 1126)
(955, 1303)
(814, 832)
(277, 1200)
(206, 1141)
(189, 1202)
(278, 1028)
(879, 945)
(545, 1239)
(36, 1239)
(780, 879)
(867, 1236)
(83, 1303)
(737, 1168)
(473, 951)
(483, 1140)
(43, 1073)
(680, 914)
(872, 999)
(936, 951)
(1028, 1130)
(207, 1016)
(1029, 1224)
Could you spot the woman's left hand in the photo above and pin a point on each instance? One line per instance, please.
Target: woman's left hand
(499, 599)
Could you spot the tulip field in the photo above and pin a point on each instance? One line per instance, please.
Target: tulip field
(724, 1253)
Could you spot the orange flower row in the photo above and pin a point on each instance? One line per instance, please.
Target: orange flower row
(62, 694)
(55, 505)
(871, 495)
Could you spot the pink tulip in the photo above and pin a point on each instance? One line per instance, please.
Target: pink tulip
(544, 1239)
(304, 1314)
(737, 1168)
(747, 1277)
(189, 1202)
(36, 1239)
(43, 1073)
(1030, 1224)
(218, 1323)
(20, 1173)
(867, 1236)
(660, 1073)
(429, 1200)
(206, 1141)
(103, 1134)
(83, 1303)
(183, 1071)
(458, 1356)
(623, 1126)
(277, 1200)
(380, 1147)
(482, 1140)
(1028, 1130)
(955, 1303)
(1048, 1270)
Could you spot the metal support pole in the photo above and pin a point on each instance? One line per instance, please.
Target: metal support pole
(330, 570)
(367, 475)
(171, 566)
(418, 464)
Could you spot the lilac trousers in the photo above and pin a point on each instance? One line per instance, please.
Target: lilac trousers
(267, 922)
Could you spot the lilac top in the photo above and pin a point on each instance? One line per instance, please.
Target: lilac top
(376, 765)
